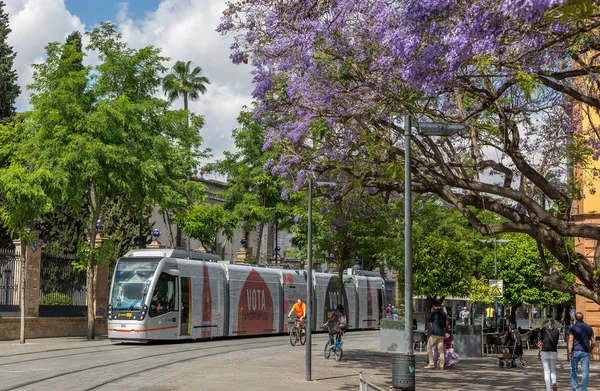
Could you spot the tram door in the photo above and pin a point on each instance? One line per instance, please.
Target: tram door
(186, 303)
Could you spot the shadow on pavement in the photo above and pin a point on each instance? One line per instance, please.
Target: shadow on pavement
(469, 374)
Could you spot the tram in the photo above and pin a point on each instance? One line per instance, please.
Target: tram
(165, 294)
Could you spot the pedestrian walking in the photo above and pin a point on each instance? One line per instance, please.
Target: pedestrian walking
(437, 319)
(451, 358)
(388, 311)
(549, 341)
(579, 347)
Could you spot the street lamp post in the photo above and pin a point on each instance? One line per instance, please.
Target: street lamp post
(425, 129)
(308, 376)
(495, 241)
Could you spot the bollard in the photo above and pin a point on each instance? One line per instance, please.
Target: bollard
(403, 372)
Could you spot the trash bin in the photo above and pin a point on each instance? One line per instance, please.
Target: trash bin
(403, 372)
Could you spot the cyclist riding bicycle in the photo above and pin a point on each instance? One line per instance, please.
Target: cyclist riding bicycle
(336, 324)
(300, 309)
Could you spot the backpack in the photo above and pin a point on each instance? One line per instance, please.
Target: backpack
(342, 321)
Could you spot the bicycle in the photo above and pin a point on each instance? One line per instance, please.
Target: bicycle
(297, 333)
(337, 349)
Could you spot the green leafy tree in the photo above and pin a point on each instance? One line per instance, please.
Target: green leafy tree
(347, 223)
(206, 222)
(23, 192)
(9, 89)
(253, 193)
(445, 249)
(102, 132)
(442, 267)
(519, 268)
(63, 230)
(125, 226)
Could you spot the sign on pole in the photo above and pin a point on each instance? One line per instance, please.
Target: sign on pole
(496, 288)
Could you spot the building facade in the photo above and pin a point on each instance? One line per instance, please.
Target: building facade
(587, 210)
(265, 243)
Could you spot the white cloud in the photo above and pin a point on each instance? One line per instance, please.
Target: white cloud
(184, 29)
(34, 23)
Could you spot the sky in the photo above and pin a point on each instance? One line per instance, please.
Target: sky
(184, 29)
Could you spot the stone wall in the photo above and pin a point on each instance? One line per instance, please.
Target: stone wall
(49, 327)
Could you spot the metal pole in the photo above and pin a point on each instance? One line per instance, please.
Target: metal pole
(408, 315)
(308, 376)
(496, 277)
(276, 239)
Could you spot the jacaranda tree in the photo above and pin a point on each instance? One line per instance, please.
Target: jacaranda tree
(334, 80)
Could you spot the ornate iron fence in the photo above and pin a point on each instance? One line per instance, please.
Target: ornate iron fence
(9, 271)
(60, 283)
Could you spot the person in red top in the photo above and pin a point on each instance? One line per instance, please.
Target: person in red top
(300, 309)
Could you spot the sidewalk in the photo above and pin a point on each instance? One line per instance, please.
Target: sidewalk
(255, 364)
(471, 373)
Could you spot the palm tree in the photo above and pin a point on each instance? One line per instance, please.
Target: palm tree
(183, 83)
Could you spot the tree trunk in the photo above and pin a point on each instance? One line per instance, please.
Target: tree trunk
(22, 262)
(531, 314)
(141, 238)
(259, 242)
(90, 296)
(341, 290)
(167, 222)
(270, 242)
(178, 236)
(91, 272)
(513, 314)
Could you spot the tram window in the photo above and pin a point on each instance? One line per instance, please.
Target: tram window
(163, 298)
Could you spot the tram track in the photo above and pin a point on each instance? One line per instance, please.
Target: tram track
(95, 350)
(46, 351)
(152, 356)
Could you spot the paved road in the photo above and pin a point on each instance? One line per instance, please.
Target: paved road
(242, 364)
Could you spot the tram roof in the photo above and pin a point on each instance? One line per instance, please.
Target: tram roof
(171, 253)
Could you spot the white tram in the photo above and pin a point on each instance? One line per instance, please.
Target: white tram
(161, 294)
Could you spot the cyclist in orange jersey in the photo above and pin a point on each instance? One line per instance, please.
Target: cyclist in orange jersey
(300, 309)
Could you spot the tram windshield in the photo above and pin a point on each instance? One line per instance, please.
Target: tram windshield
(132, 283)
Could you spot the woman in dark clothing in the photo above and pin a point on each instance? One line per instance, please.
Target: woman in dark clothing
(336, 324)
(549, 338)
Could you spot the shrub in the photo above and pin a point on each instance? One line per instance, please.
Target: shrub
(462, 329)
(390, 324)
(56, 298)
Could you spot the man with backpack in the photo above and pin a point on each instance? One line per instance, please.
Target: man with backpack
(336, 324)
